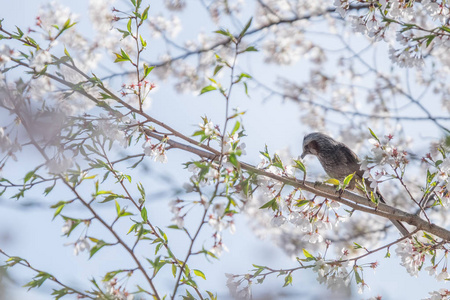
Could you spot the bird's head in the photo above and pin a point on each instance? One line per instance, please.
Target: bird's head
(314, 142)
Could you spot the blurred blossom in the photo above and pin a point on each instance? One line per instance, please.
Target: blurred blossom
(40, 60)
(67, 226)
(161, 25)
(81, 245)
(112, 131)
(175, 5)
(218, 248)
(277, 221)
(59, 165)
(101, 15)
(54, 14)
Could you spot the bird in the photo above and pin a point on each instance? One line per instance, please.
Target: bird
(339, 161)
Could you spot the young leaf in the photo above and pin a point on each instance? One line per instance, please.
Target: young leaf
(217, 69)
(308, 255)
(129, 25)
(144, 214)
(247, 26)
(251, 48)
(145, 14)
(299, 165)
(236, 127)
(207, 89)
(374, 135)
(287, 280)
(147, 70)
(332, 181)
(117, 208)
(348, 179)
(199, 273)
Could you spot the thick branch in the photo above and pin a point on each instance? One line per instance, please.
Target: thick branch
(350, 199)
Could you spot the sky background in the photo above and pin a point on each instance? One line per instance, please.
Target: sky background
(31, 233)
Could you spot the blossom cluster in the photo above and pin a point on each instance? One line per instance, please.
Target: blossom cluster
(156, 151)
(235, 288)
(413, 255)
(310, 217)
(413, 40)
(117, 292)
(334, 275)
(384, 154)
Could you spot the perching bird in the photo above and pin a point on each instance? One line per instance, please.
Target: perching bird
(338, 162)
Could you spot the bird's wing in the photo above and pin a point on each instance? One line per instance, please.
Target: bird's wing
(349, 158)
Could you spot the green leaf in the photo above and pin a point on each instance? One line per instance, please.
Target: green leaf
(242, 75)
(123, 56)
(348, 179)
(141, 190)
(207, 89)
(357, 277)
(117, 208)
(308, 255)
(143, 42)
(250, 49)
(100, 244)
(158, 247)
(259, 270)
(163, 234)
(226, 33)
(174, 270)
(237, 125)
(199, 273)
(430, 39)
(124, 33)
(38, 280)
(144, 214)
(332, 181)
(145, 14)
(129, 25)
(374, 135)
(302, 202)
(445, 28)
(147, 70)
(272, 203)
(49, 189)
(373, 198)
(357, 246)
(60, 293)
(111, 275)
(212, 296)
(28, 176)
(299, 165)
(217, 69)
(266, 153)
(67, 52)
(429, 237)
(287, 280)
(233, 159)
(246, 89)
(246, 27)
(19, 33)
(58, 210)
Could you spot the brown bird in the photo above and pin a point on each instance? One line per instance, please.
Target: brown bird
(339, 161)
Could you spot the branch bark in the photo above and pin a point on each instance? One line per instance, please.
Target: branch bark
(347, 198)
